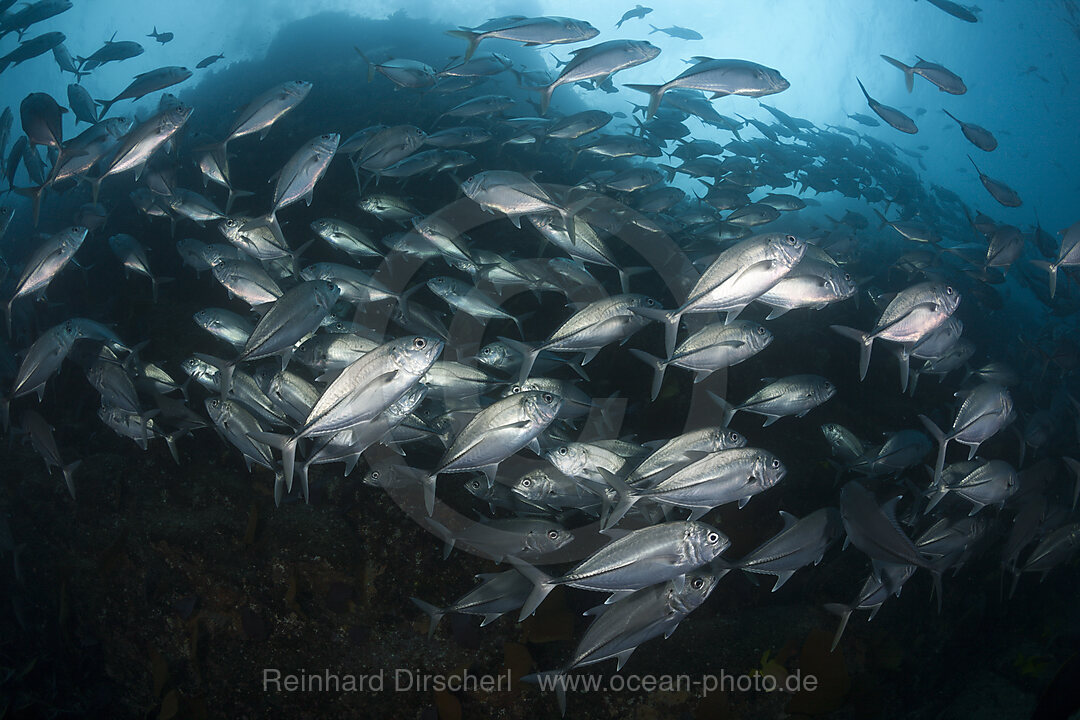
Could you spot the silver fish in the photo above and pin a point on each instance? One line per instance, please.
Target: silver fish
(981, 483)
(621, 628)
(494, 434)
(979, 136)
(531, 31)
(720, 77)
(793, 395)
(47, 260)
(598, 63)
(913, 313)
(240, 428)
(719, 478)
(497, 594)
(891, 115)
(986, 410)
(41, 437)
(942, 77)
(737, 277)
(641, 558)
(259, 115)
(146, 83)
(713, 347)
(798, 544)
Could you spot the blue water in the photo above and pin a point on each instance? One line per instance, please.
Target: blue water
(170, 587)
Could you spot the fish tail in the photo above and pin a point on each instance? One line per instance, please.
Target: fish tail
(370, 65)
(1052, 269)
(95, 188)
(155, 282)
(943, 442)
(937, 569)
(844, 611)
(903, 355)
(626, 499)
(728, 409)
(69, 476)
(170, 441)
(528, 356)
(884, 220)
(233, 194)
(468, 36)
(974, 165)
(863, 88)
(542, 585)
(655, 93)
(949, 114)
(225, 377)
(909, 72)
(670, 318)
(936, 493)
(294, 255)
(429, 493)
(285, 443)
(105, 105)
(34, 193)
(7, 314)
(865, 341)
(914, 383)
(545, 96)
(302, 473)
(654, 29)
(658, 366)
(279, 487)
(436, 614)
(670, 171)
(549, 679)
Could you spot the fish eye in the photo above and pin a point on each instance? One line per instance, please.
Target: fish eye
(790, 239)
(526, 482)
(697, 583)
(761, 330)
(734, 437)
(516, 389)
(828, 385)
(374, 474)
(563, 450)
(548, 398)
(776, 464)
(325, 137)
(948, 290)
(713, 538)
(419, 343)
(553, 534)
(474, 483)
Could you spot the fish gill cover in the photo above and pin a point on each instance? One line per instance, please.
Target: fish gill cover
(310, 316)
